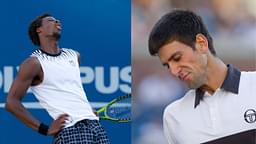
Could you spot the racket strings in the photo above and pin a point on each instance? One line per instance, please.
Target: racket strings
(120, 110)
(123, 113)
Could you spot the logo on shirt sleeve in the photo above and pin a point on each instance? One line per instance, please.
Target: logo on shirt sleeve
(72, 63)
(250, 116)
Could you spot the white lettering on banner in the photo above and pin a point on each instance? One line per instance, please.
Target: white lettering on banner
(125, 75)
(118, 78)
(6, 77)
(99, 81)
(89, 75)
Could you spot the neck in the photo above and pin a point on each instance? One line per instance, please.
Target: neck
(216, 74)
(49, 45)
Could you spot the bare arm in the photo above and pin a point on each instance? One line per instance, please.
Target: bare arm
(28, 74)
(28, 70)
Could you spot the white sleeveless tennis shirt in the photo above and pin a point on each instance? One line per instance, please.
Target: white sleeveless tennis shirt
(61, 90)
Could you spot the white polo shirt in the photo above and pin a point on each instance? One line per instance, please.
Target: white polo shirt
(199, 117)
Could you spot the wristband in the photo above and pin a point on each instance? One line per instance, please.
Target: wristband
(43, 129)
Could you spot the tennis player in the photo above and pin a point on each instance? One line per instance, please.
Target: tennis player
(54, 77)
(222, 101)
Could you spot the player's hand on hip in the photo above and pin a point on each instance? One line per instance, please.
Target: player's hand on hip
(57, 124)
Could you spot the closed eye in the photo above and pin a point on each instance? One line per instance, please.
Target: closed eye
(51, 20)
(54, 20)
(176, 57)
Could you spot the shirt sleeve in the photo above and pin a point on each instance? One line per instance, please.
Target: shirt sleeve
(168, 129)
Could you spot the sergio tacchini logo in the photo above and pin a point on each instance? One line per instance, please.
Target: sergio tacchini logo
(250, 116)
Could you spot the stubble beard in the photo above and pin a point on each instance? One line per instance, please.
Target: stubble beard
(199, 78)
(197, 81)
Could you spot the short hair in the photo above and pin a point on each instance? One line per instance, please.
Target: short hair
(36, 23)
(180, 25)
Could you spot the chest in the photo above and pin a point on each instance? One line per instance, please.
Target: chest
(218, 116)
(60, 70)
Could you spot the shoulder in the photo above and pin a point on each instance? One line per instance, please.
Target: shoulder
(30, 66)
(248, 77)
(72, 52)
(31, 61)
(69, 50)
(247, 80)
(180, 105)
(248, 74)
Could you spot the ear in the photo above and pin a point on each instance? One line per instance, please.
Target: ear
(38, 30)
(201, 43)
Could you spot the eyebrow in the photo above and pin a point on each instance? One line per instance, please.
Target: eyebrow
(171, 57)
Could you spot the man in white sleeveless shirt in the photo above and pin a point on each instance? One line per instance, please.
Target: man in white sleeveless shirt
(54, 77)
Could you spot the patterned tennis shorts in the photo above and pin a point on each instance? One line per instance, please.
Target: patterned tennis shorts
(83, 132)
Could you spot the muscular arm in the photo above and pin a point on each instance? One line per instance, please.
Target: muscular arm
(29, 69)
(30, 73)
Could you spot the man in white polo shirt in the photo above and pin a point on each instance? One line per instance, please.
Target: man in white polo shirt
(221, 105)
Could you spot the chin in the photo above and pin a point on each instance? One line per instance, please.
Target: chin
(57, 36)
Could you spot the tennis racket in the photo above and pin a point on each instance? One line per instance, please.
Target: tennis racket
(118, 110)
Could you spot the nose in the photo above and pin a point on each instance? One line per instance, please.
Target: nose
(174, 69)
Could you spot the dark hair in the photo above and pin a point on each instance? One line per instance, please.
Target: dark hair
(180, 25)
(36, 23)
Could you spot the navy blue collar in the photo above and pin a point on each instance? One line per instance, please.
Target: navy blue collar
(231, 84)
